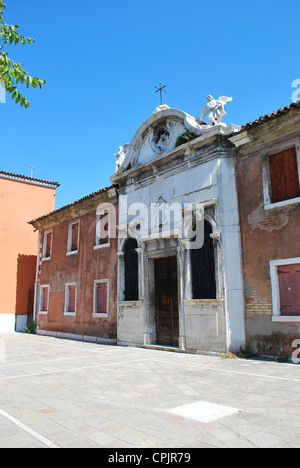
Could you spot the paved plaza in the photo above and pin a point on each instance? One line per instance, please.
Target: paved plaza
(69, 394)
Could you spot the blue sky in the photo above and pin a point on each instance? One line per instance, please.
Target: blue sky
(101, 61)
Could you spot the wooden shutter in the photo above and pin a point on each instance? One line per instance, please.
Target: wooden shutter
(289, 289)
(48, 244)
(45, 295)
(284, 175)
(278, 183)
(104, 223)
(74, 245)
(72, 298)
(291, 173)
(101, 298)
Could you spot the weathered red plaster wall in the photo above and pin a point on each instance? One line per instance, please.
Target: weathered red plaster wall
(83, 268)
(266, 235)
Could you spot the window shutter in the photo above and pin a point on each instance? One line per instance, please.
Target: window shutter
(284, 175)
(45, 296)
(48, 244)
(102, 298)
(291, 173)
(72, 296)
(104, 223)
(297, 281)
(289, 289)
(278, 181)
(74, 237)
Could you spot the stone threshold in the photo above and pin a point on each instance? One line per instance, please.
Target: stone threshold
(174, 349)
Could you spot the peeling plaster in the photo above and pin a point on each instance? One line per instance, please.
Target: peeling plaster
(268, 220)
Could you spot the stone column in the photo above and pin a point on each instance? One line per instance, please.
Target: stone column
(181, 278)
(121, 276)
(143, 292)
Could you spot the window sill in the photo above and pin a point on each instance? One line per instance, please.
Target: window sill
(286, 318)
(97, 315)
(43, 312)
(130, 303)
(204, 302)
(73, 252)
(45, 259)
(101, 246)
(282, 204)
(71, 314)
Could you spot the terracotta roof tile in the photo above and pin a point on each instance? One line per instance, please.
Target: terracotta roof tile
(22, 178)
(271, 116)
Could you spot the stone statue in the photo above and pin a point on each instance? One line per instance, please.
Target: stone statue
(216, 109)
(121, 155)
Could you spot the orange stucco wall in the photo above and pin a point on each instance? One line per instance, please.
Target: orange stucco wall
(20, 202)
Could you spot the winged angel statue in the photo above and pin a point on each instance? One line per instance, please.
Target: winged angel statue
(216, 109)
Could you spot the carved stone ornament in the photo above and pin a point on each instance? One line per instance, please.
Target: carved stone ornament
(161, 140)
(160, 208)
(160, 108)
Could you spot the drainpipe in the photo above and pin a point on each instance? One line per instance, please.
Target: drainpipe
(37, 283)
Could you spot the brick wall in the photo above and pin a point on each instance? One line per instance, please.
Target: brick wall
(83, 268)
(266, 235)
(257, 305)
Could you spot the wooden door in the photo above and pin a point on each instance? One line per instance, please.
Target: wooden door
(166, 299)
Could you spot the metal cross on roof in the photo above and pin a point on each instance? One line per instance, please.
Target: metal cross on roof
(161, 89)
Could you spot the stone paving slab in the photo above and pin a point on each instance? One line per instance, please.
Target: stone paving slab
(70, 394)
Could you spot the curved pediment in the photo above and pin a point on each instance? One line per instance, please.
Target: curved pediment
(157, 135)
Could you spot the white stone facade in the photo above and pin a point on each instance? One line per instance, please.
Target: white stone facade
(201, 171)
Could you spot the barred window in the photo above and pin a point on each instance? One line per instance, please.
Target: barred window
(203, 268)
(131, 270)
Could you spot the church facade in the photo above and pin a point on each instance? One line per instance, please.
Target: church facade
(180, 281)
(194, 247)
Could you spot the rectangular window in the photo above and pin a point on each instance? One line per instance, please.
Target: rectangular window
(44, 299)
(47, 249)
(203, 267)
(284, 176)
(102, 230)
(70, 299)
(73, 238)
(101, 297)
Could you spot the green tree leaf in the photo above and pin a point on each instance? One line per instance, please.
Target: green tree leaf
(12, 73)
